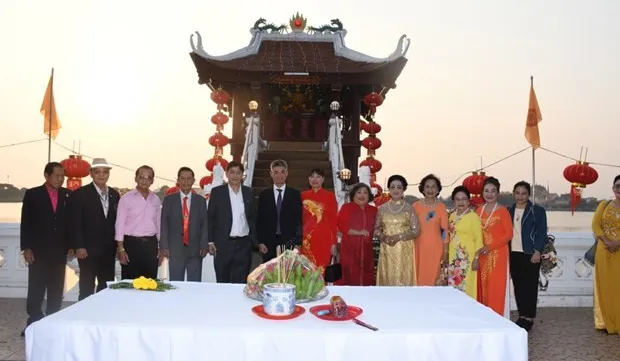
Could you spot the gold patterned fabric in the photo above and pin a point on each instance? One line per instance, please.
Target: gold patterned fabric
(606, 224)
(397, 262)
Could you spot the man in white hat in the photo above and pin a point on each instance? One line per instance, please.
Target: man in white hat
(93, 218)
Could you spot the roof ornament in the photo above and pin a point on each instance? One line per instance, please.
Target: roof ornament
(334, 27)
(261, 26)
(197, 47)
(298, 23)
(402, 47)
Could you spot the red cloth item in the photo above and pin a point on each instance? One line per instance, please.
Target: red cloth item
(185, 222)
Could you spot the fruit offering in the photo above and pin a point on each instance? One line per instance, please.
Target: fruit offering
(291, 268)
(339, 307)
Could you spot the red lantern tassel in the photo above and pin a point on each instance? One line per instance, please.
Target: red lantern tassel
(575, 198)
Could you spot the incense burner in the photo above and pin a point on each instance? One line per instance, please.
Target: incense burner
(279, 299)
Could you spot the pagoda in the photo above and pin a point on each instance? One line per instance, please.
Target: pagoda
(296, 92)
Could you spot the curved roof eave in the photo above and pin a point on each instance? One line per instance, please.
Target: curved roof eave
(336, 38)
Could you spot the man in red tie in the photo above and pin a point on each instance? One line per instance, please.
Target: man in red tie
(184, 239)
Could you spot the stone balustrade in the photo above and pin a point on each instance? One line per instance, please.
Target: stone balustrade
(570, 283)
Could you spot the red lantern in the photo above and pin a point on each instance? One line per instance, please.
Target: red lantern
(373, 128)
(220, 96)
(206, 180)
(363, 125)
(371, 143)
(218, 140)
(215, 160)
(173, 190)
(372, 163)
(75, 169)
(377, 187)
(476, 200)
(219, 119)
(580, 175)
(381, 199)
(372, 101)
(475, 182)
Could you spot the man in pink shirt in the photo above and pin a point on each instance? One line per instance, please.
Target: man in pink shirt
(137, 228)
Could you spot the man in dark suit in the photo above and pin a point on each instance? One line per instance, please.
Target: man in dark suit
(231, 227)
(279, 213)
(44, 242)
(184, 238)
(93, 216)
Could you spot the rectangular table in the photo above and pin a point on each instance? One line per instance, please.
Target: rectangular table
(208, 321)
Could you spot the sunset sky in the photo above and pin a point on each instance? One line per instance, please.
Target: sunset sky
(126, 88)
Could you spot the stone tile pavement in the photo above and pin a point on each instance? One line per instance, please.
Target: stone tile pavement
(559, 334)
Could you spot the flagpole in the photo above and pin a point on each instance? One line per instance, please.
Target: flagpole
(49, 130)
(533, 160)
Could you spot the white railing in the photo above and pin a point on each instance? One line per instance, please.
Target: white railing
(570, 283)
(253, 144)
(336, 157)
(14, 271)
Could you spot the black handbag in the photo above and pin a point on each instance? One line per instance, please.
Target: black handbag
(589, 257)
(333, 272)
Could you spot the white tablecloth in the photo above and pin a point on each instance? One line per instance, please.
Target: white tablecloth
(207, 321)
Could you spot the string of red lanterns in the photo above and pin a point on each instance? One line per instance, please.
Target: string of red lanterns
(372, 143)
(580, 175)
(475, 184)
(217, 140)
(76, 168)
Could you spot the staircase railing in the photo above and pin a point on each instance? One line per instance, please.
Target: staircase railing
(253, 143)
(336, 156)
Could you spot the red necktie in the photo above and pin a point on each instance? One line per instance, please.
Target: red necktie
(185, 222)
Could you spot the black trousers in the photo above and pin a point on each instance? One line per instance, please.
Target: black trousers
(233, 260)
(525, 276)
(45, 275)
(142, 253)
(100, 268)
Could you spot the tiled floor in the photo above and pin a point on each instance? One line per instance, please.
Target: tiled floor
(559, 334)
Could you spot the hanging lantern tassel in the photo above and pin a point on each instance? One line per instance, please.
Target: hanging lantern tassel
(575, 197)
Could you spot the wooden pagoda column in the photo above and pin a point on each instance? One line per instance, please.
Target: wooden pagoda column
(351, 139)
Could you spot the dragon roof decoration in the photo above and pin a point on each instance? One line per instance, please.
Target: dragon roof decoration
(300, 32)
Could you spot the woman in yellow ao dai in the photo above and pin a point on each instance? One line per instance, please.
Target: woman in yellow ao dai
(396, 226)
(465, 231)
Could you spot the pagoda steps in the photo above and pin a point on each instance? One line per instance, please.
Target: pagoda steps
(313, 155)
(295, 146)
(300, 183)
(300, 156)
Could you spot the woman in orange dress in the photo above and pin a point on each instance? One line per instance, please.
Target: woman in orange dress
(431, 247)
(320, 212)
(493, 287)
(356, 223)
